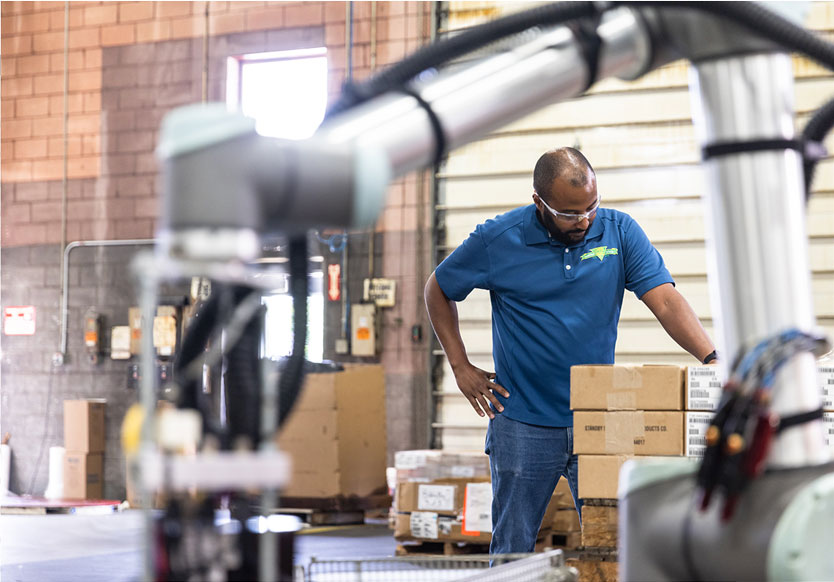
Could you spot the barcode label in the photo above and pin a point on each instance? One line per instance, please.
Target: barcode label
(694, 393)
(697, 441)
(826, 370)
(715, 384)
(694, 372)
(700, 420)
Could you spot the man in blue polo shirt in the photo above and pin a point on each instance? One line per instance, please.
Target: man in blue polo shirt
(556, 271)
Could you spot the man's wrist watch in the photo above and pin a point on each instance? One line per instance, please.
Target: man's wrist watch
(710, 357)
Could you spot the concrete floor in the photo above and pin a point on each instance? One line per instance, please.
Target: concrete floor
(107, 548)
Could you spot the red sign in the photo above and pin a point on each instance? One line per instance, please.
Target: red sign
(334, 282)
(19, 320)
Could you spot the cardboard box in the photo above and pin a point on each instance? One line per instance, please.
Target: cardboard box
(599, 475)
(825, 373)
(703, 388)
(697, 424)
(562, 497)
(426, 525)
(83, 475)
(565, 520)
(616, 387)
(445, 496)
(430, 465)
(632, 432)
(336, 435)
(84, 427)
(599, 526)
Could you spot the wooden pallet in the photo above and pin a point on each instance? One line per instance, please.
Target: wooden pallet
(340, 510)
(40, 506)
(439, 548)
(600, 502)
(565, 540)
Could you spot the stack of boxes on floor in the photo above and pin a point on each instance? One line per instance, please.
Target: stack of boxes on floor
(442, 496)
(621, 412)
(84, 444)
(446, 497)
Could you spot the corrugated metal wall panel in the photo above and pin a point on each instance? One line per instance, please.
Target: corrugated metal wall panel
(640, 139)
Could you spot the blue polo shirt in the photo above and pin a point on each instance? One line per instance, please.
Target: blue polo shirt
(553, 306)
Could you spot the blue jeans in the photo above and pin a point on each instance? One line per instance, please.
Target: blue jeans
(526, 462)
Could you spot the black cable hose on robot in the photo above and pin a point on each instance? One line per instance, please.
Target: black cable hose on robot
(815, 131)
(243, 377)
(759, 20)
(439, 53)
(292, 373)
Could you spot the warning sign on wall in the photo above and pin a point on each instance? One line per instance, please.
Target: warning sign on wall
(19, 320)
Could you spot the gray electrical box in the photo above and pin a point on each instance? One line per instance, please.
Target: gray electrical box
(363, 329)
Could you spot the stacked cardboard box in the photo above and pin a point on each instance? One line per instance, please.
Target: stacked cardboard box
(336, 435)
(447, 496)
(442, 496)
(620, 412)
(84, 433)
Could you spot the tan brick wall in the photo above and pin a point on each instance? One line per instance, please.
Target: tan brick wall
(33, 99)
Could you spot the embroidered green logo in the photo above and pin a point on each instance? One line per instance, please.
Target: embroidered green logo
(600, 253)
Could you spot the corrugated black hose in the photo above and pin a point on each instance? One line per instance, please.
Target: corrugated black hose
(439, 53)
(814, 133)
(292, 373)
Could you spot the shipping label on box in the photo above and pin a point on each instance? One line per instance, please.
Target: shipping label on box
(618, 387)
(828, 427)
(703, 388)
(436, 497)
(423, 524)
(477, 508)
(826, 380)
(627, 432)
(697, 424)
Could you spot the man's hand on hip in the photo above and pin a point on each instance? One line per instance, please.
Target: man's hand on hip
(478, 387)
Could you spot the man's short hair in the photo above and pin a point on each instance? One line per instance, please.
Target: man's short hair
(567, 163)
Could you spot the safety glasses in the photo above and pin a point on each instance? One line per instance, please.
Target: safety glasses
(569, 216)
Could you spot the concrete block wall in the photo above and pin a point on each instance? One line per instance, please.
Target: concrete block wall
(128, 63)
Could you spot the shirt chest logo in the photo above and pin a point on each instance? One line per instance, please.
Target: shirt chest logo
(600, 253)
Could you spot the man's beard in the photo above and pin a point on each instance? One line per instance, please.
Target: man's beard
(567, 238)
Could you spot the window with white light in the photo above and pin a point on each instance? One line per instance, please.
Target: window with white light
(286, 94)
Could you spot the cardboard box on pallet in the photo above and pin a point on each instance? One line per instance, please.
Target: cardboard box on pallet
(429, 465)
(618, 387)
(599, 475)
(84, 425)
(83, 475)
(703, 388)
(637, 432)
(336, 435)
(445, 496)
(431, 526)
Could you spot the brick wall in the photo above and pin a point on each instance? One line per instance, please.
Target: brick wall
(129, 63)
